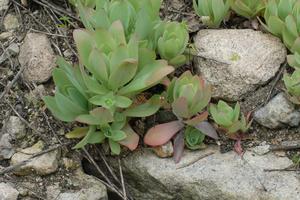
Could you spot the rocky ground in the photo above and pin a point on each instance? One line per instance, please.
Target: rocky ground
(38, 162)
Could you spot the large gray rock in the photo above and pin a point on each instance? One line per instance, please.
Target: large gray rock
(218, 176)
(87, 186)
(7, 192)
(279, 112)
(236, 62)
(38, 58)
(45, 164)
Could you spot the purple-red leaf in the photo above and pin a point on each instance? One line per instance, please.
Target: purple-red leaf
(178, 146)
(207, 129)
(238, 148)
(132, 139)
(162, 133)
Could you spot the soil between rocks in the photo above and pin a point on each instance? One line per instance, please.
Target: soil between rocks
(36, 18)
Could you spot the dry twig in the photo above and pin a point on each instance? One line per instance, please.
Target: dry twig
(195, 160)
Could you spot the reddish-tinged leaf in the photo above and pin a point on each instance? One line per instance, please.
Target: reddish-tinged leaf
(103, 114)
(178, 146)
(162, 133)
(196, 120)
(207, 129)
(180, 107)
(132, 139)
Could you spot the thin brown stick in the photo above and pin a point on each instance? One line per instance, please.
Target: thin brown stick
(278, 77)
(284, 147)
(281, 170)
(20, 164)
(107, 165)
(108, 184)
(46, 33)
(10, 84)
(195, 160)
(122, 180)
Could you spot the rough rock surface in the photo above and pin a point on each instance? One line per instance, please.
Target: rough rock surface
(7, 192)
(11, 22)
(87, 186)
(236, 62)
(277, 113)
(45, 164)
(3, 4)
(38, 58)
(218, 176)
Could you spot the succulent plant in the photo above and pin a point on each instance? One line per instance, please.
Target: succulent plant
(100, 91)
(229, 119)
(193, 138)
(275, 15)
(137, 16)
(172, 42)
(188, 95)
(212, 12)
(247, 8)
(292, 83)
(140, 18)
(294, 60)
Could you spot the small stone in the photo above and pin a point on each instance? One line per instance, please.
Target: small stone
(165, 150)
(3, 4)
(14, 127)
(88, 188)
(12, 50)
(261, 150)
(68, 53)
(279, 112)
(38, 58)
(5, 35)
(23, 191)
(6, 148)
(237, 61)
(7, 192)
(71, 164)
(11, 22)
(45, 164)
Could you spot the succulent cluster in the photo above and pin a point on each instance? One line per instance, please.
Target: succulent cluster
(100, 91)
(248, 8)
(118, 62)
(229, 119)
(283, 20)
(188, 96)
(140, 18)
(212, 12)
